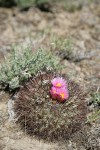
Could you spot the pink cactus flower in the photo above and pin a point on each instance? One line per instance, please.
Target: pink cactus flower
(58, 82)
(60, 94)
(53, 92)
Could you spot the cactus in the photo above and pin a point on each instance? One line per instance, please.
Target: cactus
(40, 115)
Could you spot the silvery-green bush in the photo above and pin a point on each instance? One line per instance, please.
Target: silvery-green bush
(23, 63)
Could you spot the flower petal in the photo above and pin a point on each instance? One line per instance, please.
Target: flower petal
(58, 82)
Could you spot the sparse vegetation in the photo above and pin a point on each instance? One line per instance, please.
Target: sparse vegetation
(73, 6)
(94, 116)
(96, 98)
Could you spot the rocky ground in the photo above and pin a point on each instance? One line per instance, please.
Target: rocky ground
(83, 27)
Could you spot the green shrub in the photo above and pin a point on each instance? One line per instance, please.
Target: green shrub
(96, 98)
(22, 3)
(62, 47)
(25, 3)
(39, 2)
(73, 7)
(70, 6)
(23, 63)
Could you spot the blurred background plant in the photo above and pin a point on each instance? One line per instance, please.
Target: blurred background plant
(63, 47)
(7, 3)
(23, 63)
(70, 6)
(23, 3)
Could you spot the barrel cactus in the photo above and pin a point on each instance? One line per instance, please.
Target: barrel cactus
(42, 115)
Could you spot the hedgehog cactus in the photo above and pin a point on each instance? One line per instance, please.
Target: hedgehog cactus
(40, 112)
